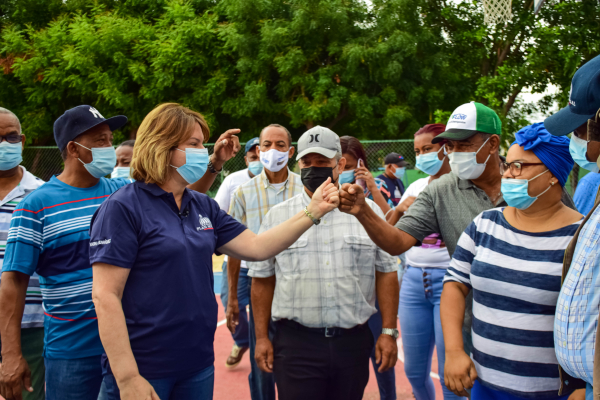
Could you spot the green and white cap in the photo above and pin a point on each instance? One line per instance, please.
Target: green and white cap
(469, 119)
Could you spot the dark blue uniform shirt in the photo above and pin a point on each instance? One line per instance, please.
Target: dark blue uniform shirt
(168, 300)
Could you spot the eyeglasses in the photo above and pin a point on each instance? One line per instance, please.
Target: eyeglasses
(517, 167)
(11, 138)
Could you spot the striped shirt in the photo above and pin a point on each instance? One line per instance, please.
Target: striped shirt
(33, 315)
(49, 234)
(253, 199)
(327, 277)
(515, 277)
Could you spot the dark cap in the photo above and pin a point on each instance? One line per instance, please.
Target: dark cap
(252, 143)
(79, 119)
(394, 158)
(584, 100)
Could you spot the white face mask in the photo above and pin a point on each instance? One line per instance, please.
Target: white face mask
(465, 165)
(274, 160)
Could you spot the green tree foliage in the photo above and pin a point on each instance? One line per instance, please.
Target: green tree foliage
(377, 69)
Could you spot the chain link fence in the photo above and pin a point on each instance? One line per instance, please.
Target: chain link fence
(45, 161)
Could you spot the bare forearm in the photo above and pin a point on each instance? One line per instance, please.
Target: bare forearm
(387, 295)
(233, 276)
(387, 237)
(262, 300)
(452, 311)
(394, 216)
(114, 336)
(13, 290)
(380, 200)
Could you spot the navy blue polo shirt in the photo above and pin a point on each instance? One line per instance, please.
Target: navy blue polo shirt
(168, 300)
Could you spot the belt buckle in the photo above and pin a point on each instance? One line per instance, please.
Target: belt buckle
(329, 332)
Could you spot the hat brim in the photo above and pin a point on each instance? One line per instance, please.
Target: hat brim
(318, 150)
(116, 122)
(454, 134)
(565, 121)
(401, 163)
(251, 148)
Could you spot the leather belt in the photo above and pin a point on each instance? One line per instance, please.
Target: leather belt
(327, 332)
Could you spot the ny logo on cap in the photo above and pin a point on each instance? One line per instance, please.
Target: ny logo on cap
(96, 113)
(314, 138)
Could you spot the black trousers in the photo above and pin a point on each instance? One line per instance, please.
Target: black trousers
(309, 366)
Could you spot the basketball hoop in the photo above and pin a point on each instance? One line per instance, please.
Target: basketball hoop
(497, 11)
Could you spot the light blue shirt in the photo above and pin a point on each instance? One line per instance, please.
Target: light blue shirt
(585, 194)
(578, 305)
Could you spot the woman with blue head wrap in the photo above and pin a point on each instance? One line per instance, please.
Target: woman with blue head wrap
(511, 258)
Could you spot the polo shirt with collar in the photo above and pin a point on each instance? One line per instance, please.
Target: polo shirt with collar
(168, 300)
(33, 315)
(327, 277)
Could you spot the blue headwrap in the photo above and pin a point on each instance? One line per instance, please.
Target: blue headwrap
(552, 150)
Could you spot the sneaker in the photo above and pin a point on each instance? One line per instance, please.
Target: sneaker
(235, 357)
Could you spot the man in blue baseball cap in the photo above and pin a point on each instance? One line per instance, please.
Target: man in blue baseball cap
(241, 335)
(49, 234)
(576, 325)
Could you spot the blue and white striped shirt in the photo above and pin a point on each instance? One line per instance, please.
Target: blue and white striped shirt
(49, 234)
(515, 278)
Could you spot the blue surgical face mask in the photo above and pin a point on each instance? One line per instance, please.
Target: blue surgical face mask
(347, 177)
(196, 163)
(10, 155)
(104, 160)
(430, 162)
(399, 172)
(515, 192)
(121, 172)
(255, 167)
(578, 150)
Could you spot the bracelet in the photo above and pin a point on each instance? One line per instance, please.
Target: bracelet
(212, 169)
(389, 211)
(309, 215)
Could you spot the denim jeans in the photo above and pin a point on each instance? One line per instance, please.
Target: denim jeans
(385, 380)
(241, 337)
(421, 327)
(199, 386)
(76, 379)
(262, 384)
(480, 392)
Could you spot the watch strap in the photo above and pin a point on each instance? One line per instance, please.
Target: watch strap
(392, 332)
(212, 169)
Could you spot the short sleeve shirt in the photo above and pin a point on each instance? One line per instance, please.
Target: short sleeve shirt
(585, 194)
(49, 235)
(168, 300)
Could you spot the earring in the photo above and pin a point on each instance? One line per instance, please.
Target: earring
(552, 183)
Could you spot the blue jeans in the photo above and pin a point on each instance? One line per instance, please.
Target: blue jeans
(241, 337)
(480, 392)
(77, 379)
(199, 386)
(385, 380)
(421, 327)
(262, 384)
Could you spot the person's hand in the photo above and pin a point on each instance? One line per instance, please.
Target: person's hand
(367, 176)
(386, 352)
(263, 355)
(232, 314)
(15, 376)
(226, 146)
(325, 199)
(579, 394)
(137, 388)
(352, 198)
(403, 207)
(459, 372)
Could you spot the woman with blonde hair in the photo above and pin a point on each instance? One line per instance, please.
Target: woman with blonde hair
(151, 247)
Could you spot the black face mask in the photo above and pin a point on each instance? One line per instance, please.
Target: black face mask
(313, 177)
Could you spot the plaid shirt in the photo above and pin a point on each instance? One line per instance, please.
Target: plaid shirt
(326, 278)
(578, 304)
(253, 199)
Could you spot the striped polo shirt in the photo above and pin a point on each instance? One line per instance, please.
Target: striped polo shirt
(33, 315)
(515, 278)
(49, 235)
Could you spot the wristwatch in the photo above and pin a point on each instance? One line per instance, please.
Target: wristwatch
(212, 169)
(392, 332)
(309, 215)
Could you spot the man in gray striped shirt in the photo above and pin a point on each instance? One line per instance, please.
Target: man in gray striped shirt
(15, 183)
(321, 292)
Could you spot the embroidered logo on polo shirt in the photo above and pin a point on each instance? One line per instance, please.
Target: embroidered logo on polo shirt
(99, 242)
(205, 223)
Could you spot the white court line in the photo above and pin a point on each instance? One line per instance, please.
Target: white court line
(222, 322)
(401, 358)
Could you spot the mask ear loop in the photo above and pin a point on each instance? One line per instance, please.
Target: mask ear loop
(489, 155)
(549, 187)
(183, 151)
